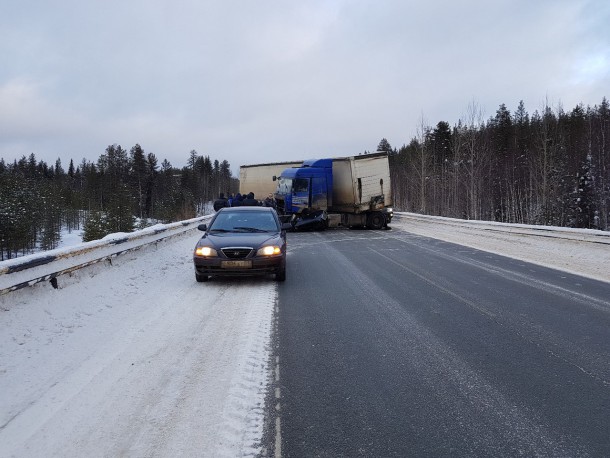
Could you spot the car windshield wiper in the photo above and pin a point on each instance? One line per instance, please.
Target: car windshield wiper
(220, 230)
(249, 229)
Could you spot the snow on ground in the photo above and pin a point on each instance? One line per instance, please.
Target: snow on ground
(139, 361)
(134, 358)
(580, 251)
(70, 238)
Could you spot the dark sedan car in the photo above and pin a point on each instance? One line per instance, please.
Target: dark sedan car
(241, 241)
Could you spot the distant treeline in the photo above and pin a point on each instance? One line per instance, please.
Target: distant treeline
(37, 199)
(549, 168)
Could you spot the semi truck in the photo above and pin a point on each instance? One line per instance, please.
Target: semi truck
(260, 179)
(349, 191)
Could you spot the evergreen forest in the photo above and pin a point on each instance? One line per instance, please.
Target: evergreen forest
(548, 168)
(551, 167)
(120, 192)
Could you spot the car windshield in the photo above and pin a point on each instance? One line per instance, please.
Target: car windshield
(244, 222)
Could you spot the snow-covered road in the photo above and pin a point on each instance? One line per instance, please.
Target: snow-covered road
(139, 361)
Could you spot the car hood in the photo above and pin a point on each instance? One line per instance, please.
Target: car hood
(243, 239)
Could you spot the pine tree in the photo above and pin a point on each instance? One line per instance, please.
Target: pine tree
(225, 178)
(151, 182)
(501, 129)
(584, 206)
(19, 215)
(59, 170)
(71, 169)
(95, 226)
(138, 169)
(384, 146)
(119, 211)
(440, 146)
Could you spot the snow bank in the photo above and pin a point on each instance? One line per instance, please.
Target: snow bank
(583, 252)
(139, 361)
(27, 270)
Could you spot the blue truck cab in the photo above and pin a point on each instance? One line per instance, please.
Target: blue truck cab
(307, 188)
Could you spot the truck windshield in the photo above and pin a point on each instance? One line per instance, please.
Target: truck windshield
(284, 185)
(300, 184)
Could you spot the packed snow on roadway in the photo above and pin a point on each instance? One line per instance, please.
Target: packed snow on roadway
(135, 358)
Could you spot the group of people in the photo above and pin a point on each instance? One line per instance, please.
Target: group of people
(239, 200)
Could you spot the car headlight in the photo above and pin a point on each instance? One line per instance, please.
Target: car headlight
(269, 250)
(205, 251)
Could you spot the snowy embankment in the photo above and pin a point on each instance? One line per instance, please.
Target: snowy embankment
(27, 270)
(134, 358)
(583, 252)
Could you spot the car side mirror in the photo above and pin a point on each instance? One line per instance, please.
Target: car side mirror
(286, 226)
(203, 227)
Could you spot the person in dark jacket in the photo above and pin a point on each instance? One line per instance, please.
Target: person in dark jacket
(237, 200)
(250, 200)
(220, 202)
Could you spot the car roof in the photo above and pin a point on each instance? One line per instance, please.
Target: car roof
(246, 209)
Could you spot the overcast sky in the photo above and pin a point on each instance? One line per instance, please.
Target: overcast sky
(265, 81)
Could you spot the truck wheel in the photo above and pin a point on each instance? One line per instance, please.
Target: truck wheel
(201, 278)
(376, 220)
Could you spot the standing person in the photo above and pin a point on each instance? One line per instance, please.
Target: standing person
(220, 202)
(250, 200)
(269, 201)
(230, 200)
(237, 200)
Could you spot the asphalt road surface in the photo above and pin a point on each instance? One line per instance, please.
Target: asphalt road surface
(391, 344)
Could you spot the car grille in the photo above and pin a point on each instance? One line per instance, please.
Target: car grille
(236, 253)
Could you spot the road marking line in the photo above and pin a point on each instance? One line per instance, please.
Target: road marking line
(278, 438)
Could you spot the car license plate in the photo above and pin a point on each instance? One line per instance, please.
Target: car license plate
(236, 264)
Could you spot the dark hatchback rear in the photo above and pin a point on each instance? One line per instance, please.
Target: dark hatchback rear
(241, 241)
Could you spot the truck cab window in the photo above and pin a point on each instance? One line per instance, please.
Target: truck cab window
(300, 185)
(284, 185)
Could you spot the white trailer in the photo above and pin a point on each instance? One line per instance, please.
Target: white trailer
(260, 179)
(361, 184)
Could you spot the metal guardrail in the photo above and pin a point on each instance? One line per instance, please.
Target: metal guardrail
(583, 235)
(29, 270)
